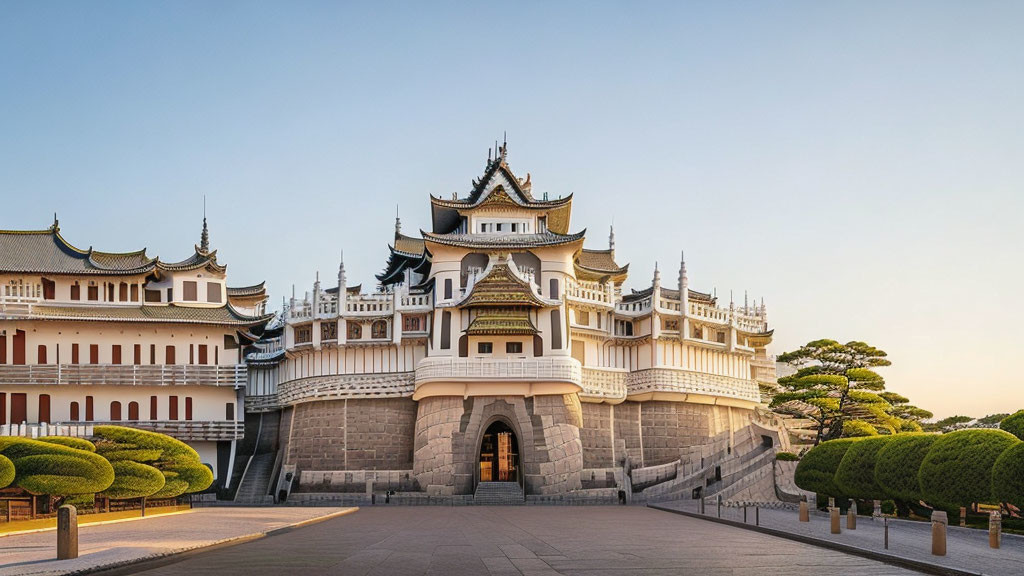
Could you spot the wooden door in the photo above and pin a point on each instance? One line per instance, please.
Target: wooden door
(115, 354)
(75, 414)
(44, 408)
(188, 407)
(94, 353)
(89, 417)
(3, 408)
(49, 289)
(172, 408)
(19, 347)
(41, 356)
(138, 354)
(19, 408)
(133, 410)
(203, 355)
(170, 356)
(115, 410)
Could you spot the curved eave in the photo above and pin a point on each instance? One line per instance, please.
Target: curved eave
(556, 240)
(532, 205)
(248, 291)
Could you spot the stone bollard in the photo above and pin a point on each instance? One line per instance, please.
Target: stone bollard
(939, 523)
(805, 514)
(963, 516)
(851, 516)
(719, 505)
(702, 505)
(831, 502)
(67, 532)
(877, 510)
(833, 514)
(995, 528)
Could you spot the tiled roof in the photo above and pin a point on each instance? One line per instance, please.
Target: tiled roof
(408, 245)
(668, 293)
(501, 287)
(500, 322)
(486, 241)
(254, 290)
(600, 261)
(225, 315)
(46, 252)
(199, 259)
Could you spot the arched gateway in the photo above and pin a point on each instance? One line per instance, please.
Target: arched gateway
(499, 455)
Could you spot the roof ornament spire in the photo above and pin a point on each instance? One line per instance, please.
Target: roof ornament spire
(611, 236)
(504, 146)
(341, 277)
(204, 238)
(398, 222)
(657, 274)
(746, 303)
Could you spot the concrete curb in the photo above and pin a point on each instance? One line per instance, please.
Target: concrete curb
(892, 559)
(156, 560)
(100, 523)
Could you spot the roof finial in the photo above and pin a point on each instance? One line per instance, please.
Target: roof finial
(204, 238)
(732, 303)
(746, 303)
(56, 223)
(657, 274)
(611, 237)
(398, 222)
(683, 280)
(504, 145)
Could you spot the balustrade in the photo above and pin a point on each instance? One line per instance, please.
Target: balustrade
(126, 375)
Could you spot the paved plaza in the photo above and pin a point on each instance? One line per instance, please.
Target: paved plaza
(121, 542)
(447, 541)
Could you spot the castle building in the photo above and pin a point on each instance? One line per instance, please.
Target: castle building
(497, 348)
(90, 337)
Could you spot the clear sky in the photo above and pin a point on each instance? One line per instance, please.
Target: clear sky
(860, 165)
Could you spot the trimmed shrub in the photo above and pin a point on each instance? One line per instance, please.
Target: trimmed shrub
(198, 476)
(121, 438)
(178, 463)
(1008, 476)
(76, 443)
(816, 470)
(1014, 424)
(6, 471)
(134, 480)
(135, 455)
(173, 486)
(957, 471)
(54, 469)
(898, 462)
(856, 473)
(786, 457)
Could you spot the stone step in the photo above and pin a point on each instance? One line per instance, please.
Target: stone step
(498, 494)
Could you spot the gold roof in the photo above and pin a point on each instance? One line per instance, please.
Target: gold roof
(502, 322)
(501, 287)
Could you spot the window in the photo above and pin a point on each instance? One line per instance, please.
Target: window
(122, 293)
(115, 411)
(152, 408)
(583, 317)
(484, 228)
(189, 290)
(204, 354)
(137, 354)
(497, 227)
(379, 329)
(213, 292)
(88, 409)
(671, 324)
(44, 408)
(329, 331)
(169, 355)
(75, 415)
(698, 332)
(41, 359)
(152, 295)
(553, 289)
(110, 292)
(135, 292)
(484, 347)
(94, 353)
(556, 329)
(133, 410)
(354, 331)
(303, 334)
(721, 337)
(76, 291)
(115, 354)
(229, 411)
(49, 289)
(152, 353)
(74, 353)
(3, 408)
(447, 288)
(513, 347)
(446, 330)
(463, 346)
(412, 323)
(515, 227)
(172, 408)
(94, 293)
(188, 407)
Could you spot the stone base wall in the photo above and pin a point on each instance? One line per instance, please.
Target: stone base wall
(370, 434)
(449, 432)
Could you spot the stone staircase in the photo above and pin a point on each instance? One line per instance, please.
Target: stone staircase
(254, 487)
(498, 494)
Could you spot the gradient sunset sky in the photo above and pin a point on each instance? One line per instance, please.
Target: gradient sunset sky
(860, 165)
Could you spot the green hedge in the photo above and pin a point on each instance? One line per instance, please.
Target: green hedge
(787, 457)
(70, 442)
(134, 480)
(855, 476)
(1008, 476)
(898, 463)
(957, 471)
(1014, 424)
(178, 463)
(816, 470)
(174, 451)
(48, 468)
(6, 471)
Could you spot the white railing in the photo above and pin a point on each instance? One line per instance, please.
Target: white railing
(589, 292)
(605, 383)
(689, 382)
(635, 307)
(233, 375)
(180, 429)
(710, 313)
(548, 369)
(415, 301)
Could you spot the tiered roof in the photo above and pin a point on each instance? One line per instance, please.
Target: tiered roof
(599, 266)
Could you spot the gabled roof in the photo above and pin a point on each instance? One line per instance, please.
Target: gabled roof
(504, 241)
(246, 291)
(170, 313)
(599, 265)
(501, 322)
(47, 252)
(197, 260)
(502, 287)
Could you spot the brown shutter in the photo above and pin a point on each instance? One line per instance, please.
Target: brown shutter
(49, 289)
(74, 353)
(3, 348)
(135, 292)
(188, 407)
(203, 356)
(76, 291)
(3, 408)
(133, 410)
(229, 411)
(19, 407)
(172, 408)
(170, 356)
(138, 354)
(189, 290)
(41, 356)
(152, 353)
(115, 354)
(115, 410)
(94, 293)
(152, 408)
(122, 293)
(74, 412)
(88, 409)
(94, 353)
(19, 347)
(44, 408)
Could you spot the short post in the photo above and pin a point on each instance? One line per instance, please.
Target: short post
(719, 505)
(67, 532)
(833, 514)
(877, 511)
(939, 522)
(851, 516)
(744, 514)
(33, 506)
(369, 489)
(995, 528)
(963, 516)
(831, 502)
(805, 513)
(886, 521)
(757, 515)
(143, 506)
(702, 505)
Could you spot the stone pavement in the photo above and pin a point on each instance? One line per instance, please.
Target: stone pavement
(511, 541)
(967, 549)
(112, 544)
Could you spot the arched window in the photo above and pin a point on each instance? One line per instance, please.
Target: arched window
(355, 331)
(75, 415)
(379, 329)
(115, 410)
(133, 410)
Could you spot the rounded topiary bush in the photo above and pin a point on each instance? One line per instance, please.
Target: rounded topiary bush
(134, 480)
(1008, 476)
(178, 463)
(1014, 424)
(70, 442)
(957, 471)
(898, 462)
(47, 468)
(173, 451)
(816, 470)
(855, 476)
(6, 471)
